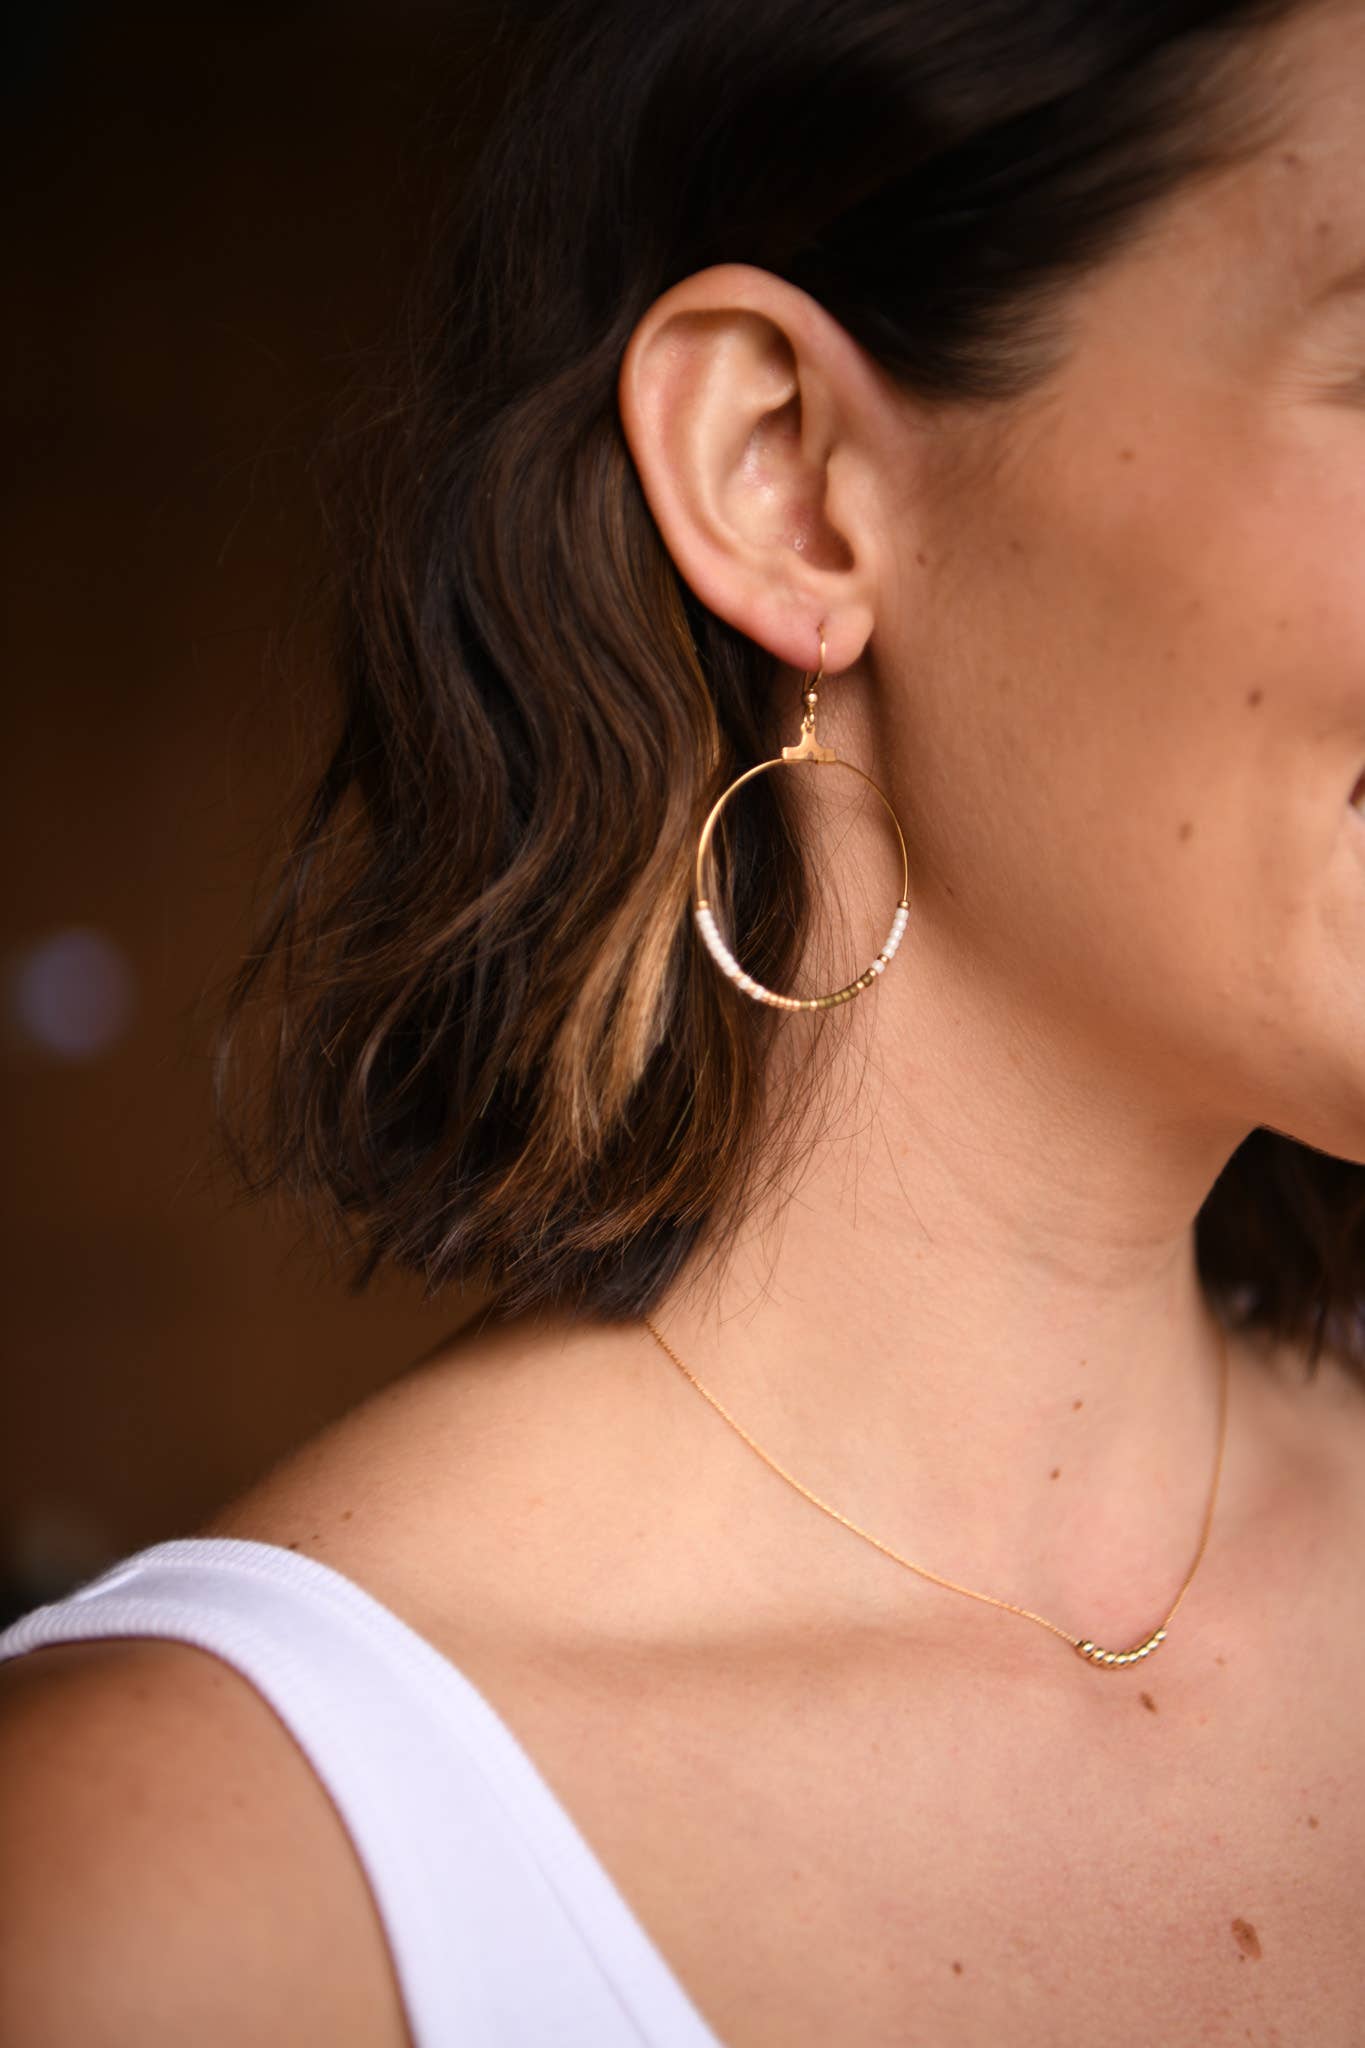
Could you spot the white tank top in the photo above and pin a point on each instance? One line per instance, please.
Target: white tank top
(505, 1930)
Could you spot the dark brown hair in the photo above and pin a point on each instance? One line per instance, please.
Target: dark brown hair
(497, 1049)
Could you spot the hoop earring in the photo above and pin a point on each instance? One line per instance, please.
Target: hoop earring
(807, 748)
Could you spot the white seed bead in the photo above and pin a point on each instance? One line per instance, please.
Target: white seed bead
(725, 960)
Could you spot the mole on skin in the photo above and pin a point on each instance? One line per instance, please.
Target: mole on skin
(1148, 1702)
(1247, 1940)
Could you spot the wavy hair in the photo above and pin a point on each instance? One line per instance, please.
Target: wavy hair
(496, 1048)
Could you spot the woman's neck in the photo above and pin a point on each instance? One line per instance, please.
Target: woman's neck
(976, 1328)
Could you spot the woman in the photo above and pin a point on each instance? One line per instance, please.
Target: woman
(979, 394)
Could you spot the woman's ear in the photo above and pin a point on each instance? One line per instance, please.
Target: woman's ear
(764, 437)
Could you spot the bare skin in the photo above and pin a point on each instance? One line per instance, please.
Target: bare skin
(1106, 652)
(848, 1805)
(845, 1804)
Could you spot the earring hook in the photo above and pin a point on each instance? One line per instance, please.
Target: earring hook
(808, 747)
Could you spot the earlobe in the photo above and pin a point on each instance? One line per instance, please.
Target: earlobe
(736, 406)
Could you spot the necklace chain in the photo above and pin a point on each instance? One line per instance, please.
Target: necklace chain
(1084, 1647)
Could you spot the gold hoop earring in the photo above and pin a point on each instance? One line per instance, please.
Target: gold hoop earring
(807, 748)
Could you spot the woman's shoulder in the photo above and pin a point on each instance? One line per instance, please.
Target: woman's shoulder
(489, 1481)
(171, 1868)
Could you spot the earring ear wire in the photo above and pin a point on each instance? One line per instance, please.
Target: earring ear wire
(807, 747)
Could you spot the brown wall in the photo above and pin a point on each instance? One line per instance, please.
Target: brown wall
(211, 211)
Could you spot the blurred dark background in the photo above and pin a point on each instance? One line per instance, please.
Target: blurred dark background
(211, 215)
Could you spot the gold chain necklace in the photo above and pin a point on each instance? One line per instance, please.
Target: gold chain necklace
(1093, 1654)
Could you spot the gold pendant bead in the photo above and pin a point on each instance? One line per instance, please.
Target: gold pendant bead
(1093, 1654)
